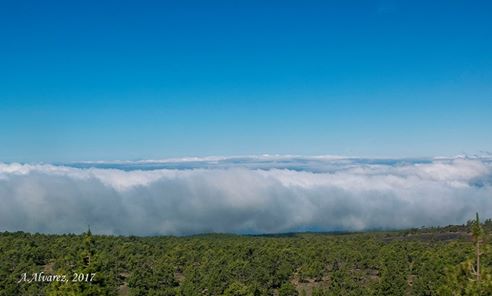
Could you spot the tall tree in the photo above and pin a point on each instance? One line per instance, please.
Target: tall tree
(477, 233)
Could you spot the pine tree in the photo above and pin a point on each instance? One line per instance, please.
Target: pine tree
(477, 233)
(89, 247)
(469, 278)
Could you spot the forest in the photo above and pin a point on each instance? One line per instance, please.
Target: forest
(423, 261)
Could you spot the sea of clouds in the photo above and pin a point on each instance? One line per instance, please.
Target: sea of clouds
(255, 194)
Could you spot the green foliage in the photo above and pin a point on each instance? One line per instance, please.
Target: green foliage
(477, 230)
(237, 289)
(153, 278)
(460, 281)
(287, 289)
(435, 261)
(472, 276)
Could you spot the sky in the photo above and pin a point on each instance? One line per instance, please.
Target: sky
(129, 80)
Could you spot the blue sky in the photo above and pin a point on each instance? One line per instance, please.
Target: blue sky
(153, 79)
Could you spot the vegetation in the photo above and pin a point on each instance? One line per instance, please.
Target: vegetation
(454, 260)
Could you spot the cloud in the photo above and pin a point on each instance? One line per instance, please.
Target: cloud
(264, 194)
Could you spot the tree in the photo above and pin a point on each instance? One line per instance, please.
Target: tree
(237, 289)
(287, 289)
(89, 247)
(86, 273)
(477, 233)
(469, 278)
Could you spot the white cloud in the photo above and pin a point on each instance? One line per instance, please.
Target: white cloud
(248, 194)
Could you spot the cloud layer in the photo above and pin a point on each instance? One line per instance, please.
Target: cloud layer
(263, 194)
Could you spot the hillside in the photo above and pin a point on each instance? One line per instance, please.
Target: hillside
(426, 261)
